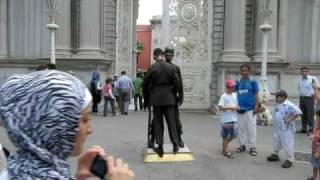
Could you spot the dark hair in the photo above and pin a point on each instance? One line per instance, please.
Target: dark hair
(304, 68)
(123, 72)
(282, 95)
(318, 112)
(41, 67)
(168, 50)
(51, 66)
(109, 80)
(245, 66)
(157, 51)
(139, 74)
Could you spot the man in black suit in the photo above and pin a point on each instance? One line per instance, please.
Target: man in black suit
(169, 53)
(160, 86)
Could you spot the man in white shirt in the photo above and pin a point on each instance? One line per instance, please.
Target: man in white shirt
(307, 87)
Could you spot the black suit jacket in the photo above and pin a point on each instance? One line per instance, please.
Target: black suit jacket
(180, 90)
(160, 84)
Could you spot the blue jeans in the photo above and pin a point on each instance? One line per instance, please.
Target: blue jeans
(105, 109)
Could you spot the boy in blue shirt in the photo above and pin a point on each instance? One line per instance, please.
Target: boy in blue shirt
(247, 92)
(285, 112)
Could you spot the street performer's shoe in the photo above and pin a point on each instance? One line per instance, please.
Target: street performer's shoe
(175, 148)
(181, 143)
(159, 150)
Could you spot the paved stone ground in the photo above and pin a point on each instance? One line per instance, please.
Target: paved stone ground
(125, 136)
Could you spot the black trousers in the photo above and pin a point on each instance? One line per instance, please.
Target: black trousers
(96, 97)
(178, 121)
(136, 97)
(158, 127)
(307, 108)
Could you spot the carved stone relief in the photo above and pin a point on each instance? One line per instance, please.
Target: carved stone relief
(191, 44)
(189, 12)
(109, 31)
(189, 37)
(173, 8)
(124, 30)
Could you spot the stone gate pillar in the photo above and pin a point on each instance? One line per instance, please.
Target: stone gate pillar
(63, 47)
(3, 29)
(90, 29)
(165, 23)
(125, 42)
(234, 31)
(315, 37)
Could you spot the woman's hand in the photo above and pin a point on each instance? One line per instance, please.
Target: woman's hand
(86, 160)
(118, 170)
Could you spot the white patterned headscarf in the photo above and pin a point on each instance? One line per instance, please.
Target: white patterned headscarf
(41, 113)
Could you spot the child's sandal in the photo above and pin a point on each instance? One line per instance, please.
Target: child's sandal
(241, 149)
(253, 152)
(228, 155)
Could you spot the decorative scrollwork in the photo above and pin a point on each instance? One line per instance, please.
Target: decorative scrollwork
(189, 12)
(173, 8)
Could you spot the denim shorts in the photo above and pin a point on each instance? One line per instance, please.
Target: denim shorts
(229, 130)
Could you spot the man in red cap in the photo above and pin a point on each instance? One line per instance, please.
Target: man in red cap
(228, 104)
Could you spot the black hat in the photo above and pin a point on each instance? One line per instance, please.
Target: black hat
(281, 92)
(157, 51)
(169, 50)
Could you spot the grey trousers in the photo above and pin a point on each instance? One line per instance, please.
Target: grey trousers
(124, 100)
(307, 108)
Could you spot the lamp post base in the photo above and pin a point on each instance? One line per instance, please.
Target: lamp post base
(264, 115)
(52, 27)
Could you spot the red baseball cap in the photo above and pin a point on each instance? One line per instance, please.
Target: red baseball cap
(230, 83)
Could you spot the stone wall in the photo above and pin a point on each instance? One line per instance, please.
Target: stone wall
(86, 37)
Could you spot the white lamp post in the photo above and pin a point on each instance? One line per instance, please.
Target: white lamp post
(52, 12)
(265, 28)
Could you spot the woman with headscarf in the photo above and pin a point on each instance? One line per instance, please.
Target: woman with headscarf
(96, 90)
(47, 117)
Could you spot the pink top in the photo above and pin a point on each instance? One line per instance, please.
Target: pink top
(107, 90)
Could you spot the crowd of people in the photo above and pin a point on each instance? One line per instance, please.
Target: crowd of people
(47, 116)
(240, 104)
(117, 93)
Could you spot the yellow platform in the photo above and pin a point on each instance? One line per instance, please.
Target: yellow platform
(184, 154)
